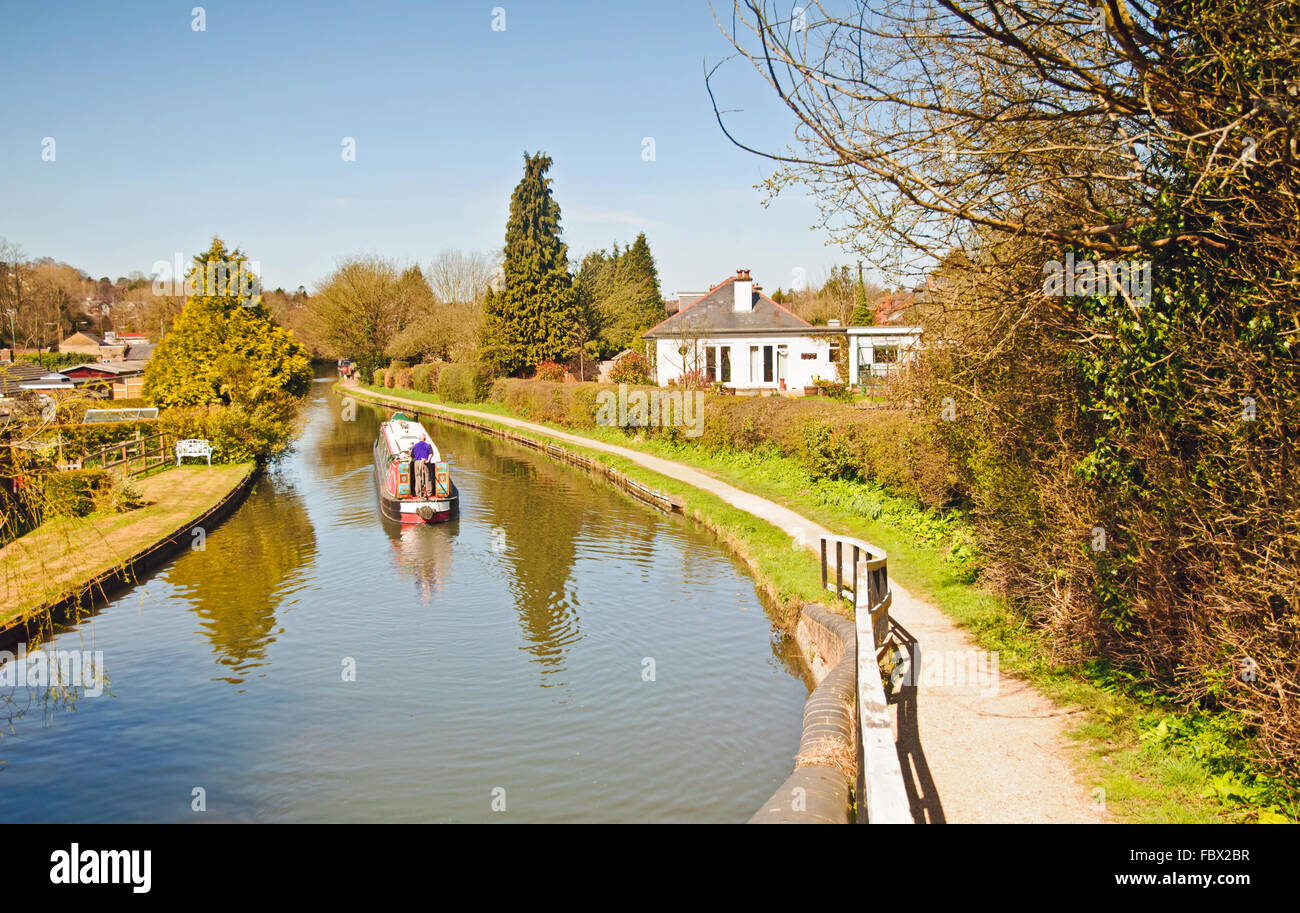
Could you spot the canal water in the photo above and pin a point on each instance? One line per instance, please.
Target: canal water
(559, 653)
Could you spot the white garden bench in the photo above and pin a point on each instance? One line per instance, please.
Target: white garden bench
(193, 447)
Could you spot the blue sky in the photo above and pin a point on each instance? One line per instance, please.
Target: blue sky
(165, 136)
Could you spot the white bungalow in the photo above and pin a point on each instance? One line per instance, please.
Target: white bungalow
(737, 336)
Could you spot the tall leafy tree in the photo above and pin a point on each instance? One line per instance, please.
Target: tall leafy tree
(621, 289)
(364, 304)
(643, 275)
(533, 318)
(225, 347)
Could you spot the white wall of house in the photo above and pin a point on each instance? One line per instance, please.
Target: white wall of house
(880, 351)
(799, 358)
(755, 362)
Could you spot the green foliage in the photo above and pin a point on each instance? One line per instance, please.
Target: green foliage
(465, 383)
(56, 360)
(424, 378)
(620, 290)
(225, 348)
(364, 306)
(551, 371)
(632, 368)
(120, 496)
(83, 439)
(73, 493)
(238, 434)
(829, 453)
(535, 315)
(864, 315)
(832, 440)
(833, 389)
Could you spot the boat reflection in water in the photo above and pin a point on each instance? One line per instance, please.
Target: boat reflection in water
(424, 552)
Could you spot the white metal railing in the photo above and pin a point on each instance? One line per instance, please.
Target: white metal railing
(882, 796)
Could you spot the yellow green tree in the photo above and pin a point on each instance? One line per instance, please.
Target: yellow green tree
(225, 347)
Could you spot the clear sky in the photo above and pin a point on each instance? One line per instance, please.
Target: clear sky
(164, 135)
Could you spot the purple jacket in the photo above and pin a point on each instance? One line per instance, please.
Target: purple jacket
(421, 451)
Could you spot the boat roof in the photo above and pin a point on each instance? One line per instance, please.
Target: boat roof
(401, 434)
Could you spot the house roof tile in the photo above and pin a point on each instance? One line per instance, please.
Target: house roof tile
(716, 312)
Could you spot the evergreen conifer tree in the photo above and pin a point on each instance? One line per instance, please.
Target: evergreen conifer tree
(534, 316)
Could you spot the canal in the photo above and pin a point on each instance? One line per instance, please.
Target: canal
(558, 653)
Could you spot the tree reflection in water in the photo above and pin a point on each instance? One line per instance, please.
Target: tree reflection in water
(249, 566)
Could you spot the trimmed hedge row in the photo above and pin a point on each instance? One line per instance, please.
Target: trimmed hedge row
(831, 439)
(464, 382)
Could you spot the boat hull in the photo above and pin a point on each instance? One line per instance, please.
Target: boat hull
(411, 510)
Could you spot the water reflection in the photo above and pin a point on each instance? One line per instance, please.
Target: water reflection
(540, 544)
(482, 659)
(249, 566)
(334, 447)
(423, 553)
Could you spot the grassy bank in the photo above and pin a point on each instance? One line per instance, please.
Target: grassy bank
(1156, 762)
(58, 558)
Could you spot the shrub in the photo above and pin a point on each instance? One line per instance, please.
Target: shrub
(550, 371)
(694, 380)
(404, 379)
(889, 447)
(120, 495)
(829, 453)
(465, 383)
(73, 493)
(424, 377)
(632, 368)
(237, 435)
(833, 388)
(83, 439)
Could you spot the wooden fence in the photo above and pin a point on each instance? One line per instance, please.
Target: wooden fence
(134, 456)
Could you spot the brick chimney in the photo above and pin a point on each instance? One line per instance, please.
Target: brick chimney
(744, 287)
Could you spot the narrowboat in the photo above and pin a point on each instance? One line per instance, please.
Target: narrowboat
(395, 474)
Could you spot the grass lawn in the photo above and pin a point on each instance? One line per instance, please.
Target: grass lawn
(61, 556)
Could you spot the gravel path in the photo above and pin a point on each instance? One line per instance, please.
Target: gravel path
(990, 748)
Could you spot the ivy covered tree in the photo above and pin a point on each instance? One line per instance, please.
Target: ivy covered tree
(533, 317)
(225, 348)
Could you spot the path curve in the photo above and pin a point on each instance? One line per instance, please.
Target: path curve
(988, 755)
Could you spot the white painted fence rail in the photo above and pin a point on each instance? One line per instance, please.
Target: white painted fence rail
(881, 794)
